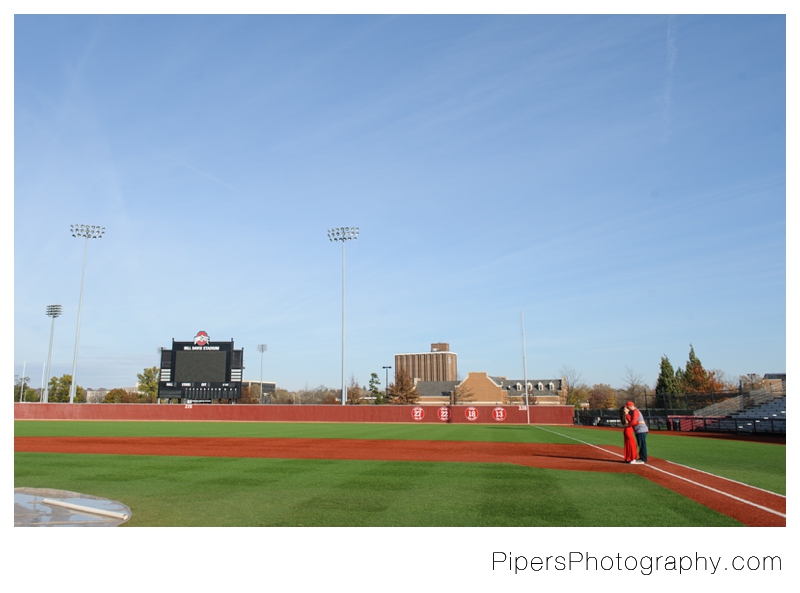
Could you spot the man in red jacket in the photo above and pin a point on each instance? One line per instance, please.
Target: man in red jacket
(640, 430)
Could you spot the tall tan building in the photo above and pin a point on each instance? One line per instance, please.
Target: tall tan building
(437, 365)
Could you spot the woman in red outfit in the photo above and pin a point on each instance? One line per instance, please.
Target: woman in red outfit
(627, 434)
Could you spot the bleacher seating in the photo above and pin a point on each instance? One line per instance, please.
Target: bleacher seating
(762, 412)
(773, 409)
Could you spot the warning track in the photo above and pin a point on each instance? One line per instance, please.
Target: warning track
(749, 505)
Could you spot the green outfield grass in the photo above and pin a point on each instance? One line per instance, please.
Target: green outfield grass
(195, 491)
(232, 492)
(342, 430)
(758, 464)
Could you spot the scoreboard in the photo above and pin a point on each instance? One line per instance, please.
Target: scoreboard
(201, 371)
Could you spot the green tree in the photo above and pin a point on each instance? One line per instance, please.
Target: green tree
(695, 379)
(403, 390)
(30, 395)
(148, 384)
(59, 390)
(667, 386)
(374, 388)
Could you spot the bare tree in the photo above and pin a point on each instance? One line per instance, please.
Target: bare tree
(577, 390)
(281, 396)
(572, 379)
(355, 393)
(635, 387)
(250, 394)
(461, 394)
(403, 390)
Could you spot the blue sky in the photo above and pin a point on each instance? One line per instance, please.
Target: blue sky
(620, 180)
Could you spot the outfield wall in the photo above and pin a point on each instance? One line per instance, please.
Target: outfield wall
(299, 413)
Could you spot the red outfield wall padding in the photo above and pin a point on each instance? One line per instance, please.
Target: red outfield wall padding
(276, 413)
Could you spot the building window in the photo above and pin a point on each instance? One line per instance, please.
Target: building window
(540, 386)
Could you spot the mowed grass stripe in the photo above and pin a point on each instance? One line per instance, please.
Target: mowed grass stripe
(759, 464)
(762, 465)
(200, 491)
(426, 432)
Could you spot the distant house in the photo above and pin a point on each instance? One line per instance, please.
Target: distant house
(775, 381)
(436, 392)
(481, 389)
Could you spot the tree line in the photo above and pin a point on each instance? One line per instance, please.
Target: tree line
(58, 390)
(402, 391)
(673, 387)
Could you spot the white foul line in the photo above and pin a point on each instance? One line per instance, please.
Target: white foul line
(742, 500)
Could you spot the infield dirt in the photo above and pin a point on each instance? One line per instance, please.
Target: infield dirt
(749, 505)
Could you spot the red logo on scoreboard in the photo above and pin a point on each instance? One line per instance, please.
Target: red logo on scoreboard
(443, 413)
(201, 339)
(499, 414)
(417, 413)
(471, 413)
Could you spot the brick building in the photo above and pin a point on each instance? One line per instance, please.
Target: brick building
(481, 389)
(437, 365)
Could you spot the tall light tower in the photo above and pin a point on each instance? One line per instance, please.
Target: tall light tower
(52, 311)
(343, 234)
(261, 348)
(386, 387)
(525, 366)
(87, 232)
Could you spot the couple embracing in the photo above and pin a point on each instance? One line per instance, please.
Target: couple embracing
(634, 432)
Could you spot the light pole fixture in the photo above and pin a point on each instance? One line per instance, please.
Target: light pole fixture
(343, 234)
(261, 348)
(525, 367)
(52, 311)
(87, 232)
(386, 385)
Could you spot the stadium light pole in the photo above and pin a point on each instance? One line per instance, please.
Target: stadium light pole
(22, 385)
(343, 234)
(160, 352)
(261, 348)
(386, 386)
(525, 367)
(86, 232)
(52, 311)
